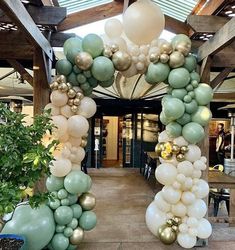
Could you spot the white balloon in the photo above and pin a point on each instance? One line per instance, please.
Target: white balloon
(185, 168)
(192, 222)
(76, 166)
(65, 153)
(172, 161)
(187, 241)
(161, 203)
(77, 126)
(66, 111)
(188, 198)
(58, 98)
(154, 218)
(183, 228)
(197, 209)
(181, 178)
(54, 109)
(193, 154)
(87, 107)
(142, 58)
(187, 184)
(60, 167)
(164, 137)
(193, 232)
(204, 159)
(171, 195)
(61, 125)
(134, 50)
(140, 66)
(204, 229)
(176, 185)
(180, 141)
(197, 173)
(80, 154)
(179, 209)
(199, 165)
(202, 189)
(144, 49)
(166, 173)
(113, 28)
(64, 138)
(75, 141)
(120, 42)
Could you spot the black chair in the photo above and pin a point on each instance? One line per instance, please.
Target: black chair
(84, 163)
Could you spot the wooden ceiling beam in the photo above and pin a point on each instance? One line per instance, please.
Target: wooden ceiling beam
(23, 52)
(218, 80)
(211, 7)
(224, 96)
(19, 15)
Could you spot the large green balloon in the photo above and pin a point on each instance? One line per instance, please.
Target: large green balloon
(179, 78)
(179, 93)
(60, 242)
(108, 83)
(180, 38)
(87, 220)
(72, 43)
(72, 78)
(165, 98)
(191, 107)
(173, 129)
(190, 63)
(54, 183)
(76, 182)
(89, 182)
(203, 94)
(163, 119)
(63, 215)
(157, 73)
(77, 211)
(72, 198)
(37, 225)
(184, 119)
(102, 68)
(173, 108)
(93, 44)
(195, 76)
(193, 132)
(63, 67)
(202, 115)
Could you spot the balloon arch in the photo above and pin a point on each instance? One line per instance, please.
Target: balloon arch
(131, 48)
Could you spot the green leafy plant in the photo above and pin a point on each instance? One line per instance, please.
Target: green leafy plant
(24, 159)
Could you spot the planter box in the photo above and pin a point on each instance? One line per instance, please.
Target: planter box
(14, 236)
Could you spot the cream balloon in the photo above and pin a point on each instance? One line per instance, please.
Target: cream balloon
(204, 159)
(60, 167)
(76, 166)
(58, 98)
(66, 111)
(154, 218)
(55, 110)
(185, 240)
(164, 137)
(197, 174)
(80, 154)
(193, 154)
(65, 153)
(180, 141)
(199, 165)
(192, 222)
(120, 42)
(113, 28)
(176, 185)
(171, 195)
(140, 17)
(87, 107)
(192, 232)
(187, 184)
(183, 228)
(179, 209)
(172, 161)
(61, 125)
(166, 173)
(204, 229)
(188, 198)
(64, 138)
(181, 178)
(197, 209)
(77, 126)
(202, 189)
(185, 168)
(75, 141)
(161, 203)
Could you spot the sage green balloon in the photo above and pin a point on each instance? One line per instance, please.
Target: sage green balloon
(195, 76)
(88, 92)
(85, 86)
(190, 63)
(71, 54)
(72, 198)
(163, 119)
(202, 116)
(157, 73)
(108, 83)
(74, 223)
(194, 83)
(173, 108)
(174, 129)
(87, 221)
(179, 78)
(68, 232)
(76, 70)
(37, 225)
(72, 247)
(180, 38)
(76, 182)
(59, 228)
(87, 73)
(72, 43)
(203, 94)
(191, 107)
(165, 98)
(102, 68)
(72, 78)
(60, 242)
(81, 78)
(53, 204)
(187, 98)
(93, 44)
(184, 119)
(93, 82)
(64, 202)
(89, 182)
(54, 194)
(179, 93)
(54, 183)
(191, 93)
(169, 89)
(63, 67)
(77, 211)
(189, 87)
(63, 215)
(62, 194)
(193, 132)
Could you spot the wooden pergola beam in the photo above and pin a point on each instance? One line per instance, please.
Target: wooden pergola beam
(211, 7)
(225, 96)
(222, 38)
(218, 80)
(21, 70)
(19, 15)
(23, 52)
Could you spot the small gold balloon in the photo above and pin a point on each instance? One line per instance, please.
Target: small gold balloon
(77, 237)
(63, 87)
(107, 52)
(76, 101)
(175, 149)
(71, 93)
(83, 60)
(184, 149)
(70, 102)
(176, 220)
(183, 47)
(69, 85)
(61, 79)
(169, 222)
(121, 60)
(74, 109)
(164, 58)
(154, 57)
(159, 148)
(168, 236)
(180, 157)
(87, 201)
(83, 143)
(168, 147)
(161, 228)
(166, 48)
(175, 228)
(166, 156)
(114, 48)
(176, 59)
(79, 95)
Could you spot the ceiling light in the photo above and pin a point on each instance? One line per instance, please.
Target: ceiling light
(233, 7)
(232, 15)
(228, 12)
(209, 35)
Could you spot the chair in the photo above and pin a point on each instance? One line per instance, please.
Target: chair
(84, 163)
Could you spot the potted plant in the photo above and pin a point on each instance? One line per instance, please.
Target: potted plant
(24, 158)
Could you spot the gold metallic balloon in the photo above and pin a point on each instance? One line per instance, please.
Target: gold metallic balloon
(183, 47)
(77, 237)
(169, 222)
(69, 85)
(164, 58)
(168, 236)
(79, 95)
(175, 149)
(176, 59)
(87, 201)
(114, 48)
(107, 52)
(76, 101)
(166, 48)
(184, 149)
(180, 157)
(83, 143)
(83, 60)
(159, 148)
(176, 220)
(61, 79)
(71, 93)
(175, 228)
(121, 60)
(74, 109)
(161, 228)
(63, 87)
(154, 57)
(70, 102)
(166, 156)
(168, 147)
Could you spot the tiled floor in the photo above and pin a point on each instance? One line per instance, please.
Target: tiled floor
(122, 198)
